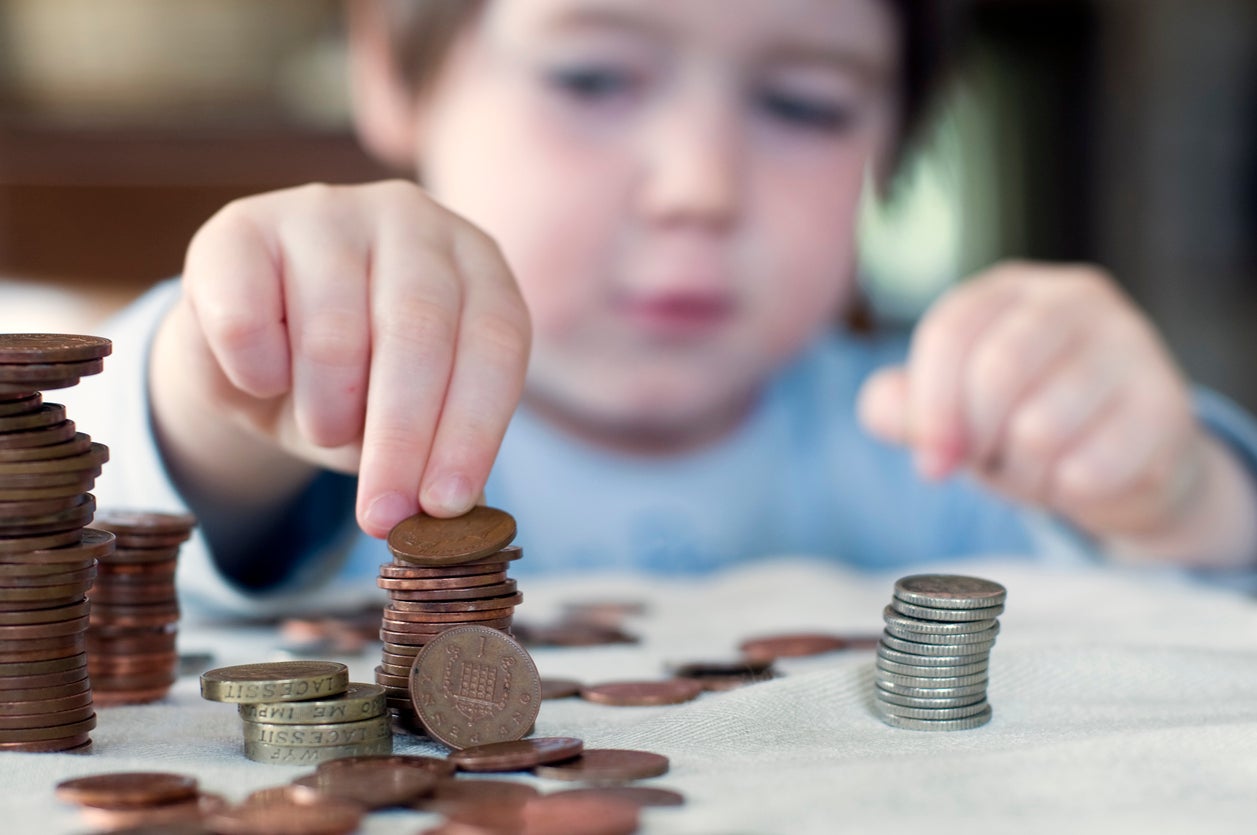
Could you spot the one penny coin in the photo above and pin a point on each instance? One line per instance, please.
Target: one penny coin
(373, 785)
(427, 540)
(566, 814)
(127, 789)
(136, 521)
(472, 685)
(517, 755)
(643, 796)
(329, 816)
(798, 645)
(452, 795)
(52, 347)
(642, 693)
(607, 765)
(432, 765)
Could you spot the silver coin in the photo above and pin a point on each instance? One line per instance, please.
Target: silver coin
(900, 700)
(958, 639)
(889, 653)
(928, 682)
(917, 671)
(917, 648)
(913, 610)
(914, 692)
(935, 714)
(934, 627)
(950, 591)
(963, 724)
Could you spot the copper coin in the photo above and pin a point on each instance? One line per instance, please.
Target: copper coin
(607, 765)
(571, 634)
(16, 656)
(36, 373)
(130, 697)
(58, 433)
(96, 455)
(36, 569)
(9, 545)
(106, 664)
(134, 615)
(52, 615)
(22, 348)
(65, 592)
(9, 494)
(46, 718)
(281, 794)
(427, 540)
(431, 765)
(142, 556)
(493, 592)
(451, 584)
(642, 693)
(473, 685)
(731, 667)
(326, 816)
(127, 789)
(137, 681)
(565, 814)
(417, 603)
(402, 574)
(139, 644)
(80, 575)
(486, 565)
(799, 645)
(34, 644)
(642, 796)
(141, 521)
(450, 796)
(432, 628)
(22, 403)
(182, 817)
(517, 755)
(92, 544)
(58, 691)
(55, 665)
(80, 480)
(77, 445)
(78, 518)
(56, 629)
(399, 671)
(398, 659)
(389, 680)
(42, 680)
(119, 595)
(42, 734)
(559, 688)
(44, 415)
(19, 510)
(66, 743)
(373, 785)
(19, 608)
(488, 617)
(150, 542)
(42, 385)
(401, 651)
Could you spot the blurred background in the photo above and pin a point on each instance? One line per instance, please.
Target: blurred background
(1121, 132)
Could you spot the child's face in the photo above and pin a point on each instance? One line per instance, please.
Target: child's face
(674, 184)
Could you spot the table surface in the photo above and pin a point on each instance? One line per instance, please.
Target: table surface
(1124, 701)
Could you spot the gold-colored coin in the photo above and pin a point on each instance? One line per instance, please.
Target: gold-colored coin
(306, 755)
(359, 702)
(319, 736)
(277, 681)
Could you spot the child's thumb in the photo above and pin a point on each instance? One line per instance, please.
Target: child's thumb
(882, 405)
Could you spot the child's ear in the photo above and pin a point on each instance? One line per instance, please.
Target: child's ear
(385, 108)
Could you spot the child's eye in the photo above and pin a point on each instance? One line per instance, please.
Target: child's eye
(591, 83)
(806, 112)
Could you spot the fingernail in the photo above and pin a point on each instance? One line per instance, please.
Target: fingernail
(387, 510)
(451, 495)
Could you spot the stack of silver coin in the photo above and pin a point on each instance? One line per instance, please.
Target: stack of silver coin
(933, 659)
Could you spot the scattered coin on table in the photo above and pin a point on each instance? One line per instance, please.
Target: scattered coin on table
(643, 796)
(607, 765)
(372, 785)
(642, 693)
(517, 755)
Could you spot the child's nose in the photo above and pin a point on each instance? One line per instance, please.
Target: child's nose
(692, 165)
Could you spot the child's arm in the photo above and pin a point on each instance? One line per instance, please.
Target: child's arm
(1056, 391)
(361, 329)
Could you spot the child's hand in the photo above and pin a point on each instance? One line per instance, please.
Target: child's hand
(1050, 386)
(359, 328)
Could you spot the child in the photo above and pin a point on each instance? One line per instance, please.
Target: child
(667, 192)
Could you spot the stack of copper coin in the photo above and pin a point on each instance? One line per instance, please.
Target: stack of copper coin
(445, 573)
(47, 556)
(135, 612)
(302, 712)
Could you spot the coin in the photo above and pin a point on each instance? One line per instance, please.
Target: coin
(427, 540)
(44, 734)
(127, 789)
(45, 375)
(58, 433)
(950, 615)
(962, 724)
(772, 647)
(264, 752)
(487, 604)
(517, 755)
(137, 521)
(957, 650)
(982, 636)
(92, 459)
(52, 348)
(76, 445)
(565, 814)
(642, 693)
(277, 681)
(18, 405)
(904, 624)
(571, 634)
(45, 415)
(894, 702)
(473, 685)
(452, 796)
(372, 784)
(606, 765)
(440, 581)
(327, 816)
(886, 708)
(505, 588)
(432, 765)
(358, 702)
(949, 591)
(336, 734)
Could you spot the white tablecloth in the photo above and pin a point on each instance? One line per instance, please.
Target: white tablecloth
(1123, 702)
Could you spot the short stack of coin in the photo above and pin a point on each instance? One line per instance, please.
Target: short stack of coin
(131, 650)
(303, 712)
(445, 573)
(932, 662)
(47, 556)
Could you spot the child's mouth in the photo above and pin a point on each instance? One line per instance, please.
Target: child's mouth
(677, 314)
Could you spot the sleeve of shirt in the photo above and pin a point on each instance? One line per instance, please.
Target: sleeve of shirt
(308, 545)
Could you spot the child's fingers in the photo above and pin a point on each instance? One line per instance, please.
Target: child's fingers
(231, 280)
(416, 303)
(487, 381)
(937, 367)
(882, 406)
(1015, 355)
(326, 295)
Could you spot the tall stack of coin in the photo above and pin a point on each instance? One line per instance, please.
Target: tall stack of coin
(47, 556)
(445, 573)
(135, 612)
(934, 655)
(302, 712)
